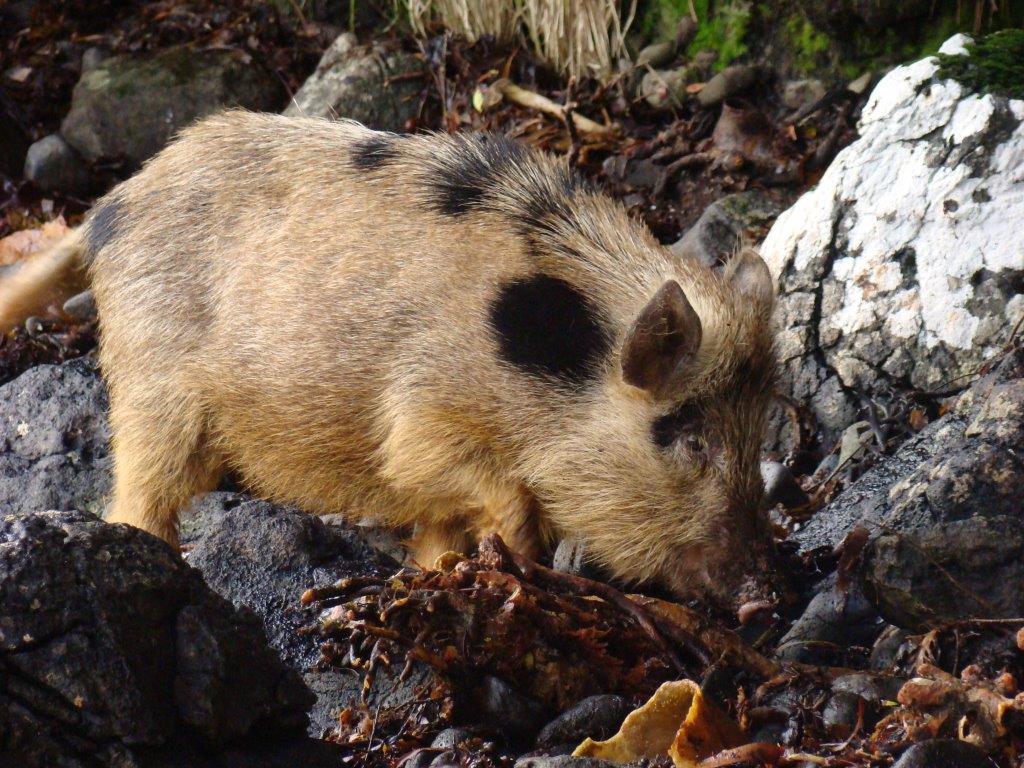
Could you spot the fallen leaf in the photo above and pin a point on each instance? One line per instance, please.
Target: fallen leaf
(676, 721)
(20, 245)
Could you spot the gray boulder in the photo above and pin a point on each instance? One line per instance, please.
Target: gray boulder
(53, 439)
(355, 82)
(904, 265)
(725, 225)
(128, 107)
(53, 166)
(944, 513)
(114, 652)
(263, 557)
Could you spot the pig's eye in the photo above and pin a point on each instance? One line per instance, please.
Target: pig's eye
(683, 423)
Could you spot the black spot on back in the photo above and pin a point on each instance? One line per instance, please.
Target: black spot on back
(546, 327)
(464, 179)
(375, 152)
(104, 224)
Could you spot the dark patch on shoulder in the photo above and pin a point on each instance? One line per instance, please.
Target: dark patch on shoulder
(466, 176)
(104, 223)
(546, 327)
(375, 152)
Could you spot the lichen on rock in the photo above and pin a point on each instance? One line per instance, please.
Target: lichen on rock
(904, 266)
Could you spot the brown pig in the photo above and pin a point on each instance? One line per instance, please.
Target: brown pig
(452, 334)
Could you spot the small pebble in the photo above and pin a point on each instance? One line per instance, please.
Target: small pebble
(81, 306)
(450, 738)
(780, 487)
(727, 82)
(860, 85)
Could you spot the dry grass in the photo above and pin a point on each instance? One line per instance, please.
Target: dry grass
(576, 37)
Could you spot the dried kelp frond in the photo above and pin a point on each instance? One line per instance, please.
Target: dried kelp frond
(551, 637)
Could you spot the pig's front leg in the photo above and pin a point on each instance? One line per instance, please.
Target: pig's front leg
(431, 540)
(514, 515)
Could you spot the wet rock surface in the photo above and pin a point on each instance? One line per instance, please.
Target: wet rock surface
(53, 439)
(127, 108)
(902, 267)
(944, 512)
(355, 82)
(598, 717)
(562, 761)
(113, 651)
(943, 753)
(263, 557)
(518, 717)
(836, 628)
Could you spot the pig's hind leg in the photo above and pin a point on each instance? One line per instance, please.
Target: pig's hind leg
(162, 457)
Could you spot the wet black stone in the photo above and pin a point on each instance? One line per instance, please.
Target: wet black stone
(943, 753)
(596, 717)
(112, 649)
(516, 717)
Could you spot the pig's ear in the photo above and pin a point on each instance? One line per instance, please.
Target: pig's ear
(666, 334)
(749, 276)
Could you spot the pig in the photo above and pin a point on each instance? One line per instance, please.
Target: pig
(452, 334)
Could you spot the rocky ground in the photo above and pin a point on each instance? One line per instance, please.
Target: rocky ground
(886, 206)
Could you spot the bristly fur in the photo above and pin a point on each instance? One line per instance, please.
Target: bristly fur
(375, 152)
(104, 221)
(404, 352)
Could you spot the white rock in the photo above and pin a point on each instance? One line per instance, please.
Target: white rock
(956, 45)
(911, 243)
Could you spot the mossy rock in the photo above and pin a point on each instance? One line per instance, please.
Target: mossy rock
(835, 40)
(126, 109)
(994, 64)
(722, 27)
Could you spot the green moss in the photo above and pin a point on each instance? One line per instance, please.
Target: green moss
(657, 19)
(994, 64)
(723, 30)
(809, 46)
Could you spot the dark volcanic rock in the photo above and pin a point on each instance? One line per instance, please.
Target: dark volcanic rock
(597, 717)
(263, 556)
(562, 761)
(835, 623)
(943, 753)
(111, 648)
(53, 439)
(944, 512)
(515, 716)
